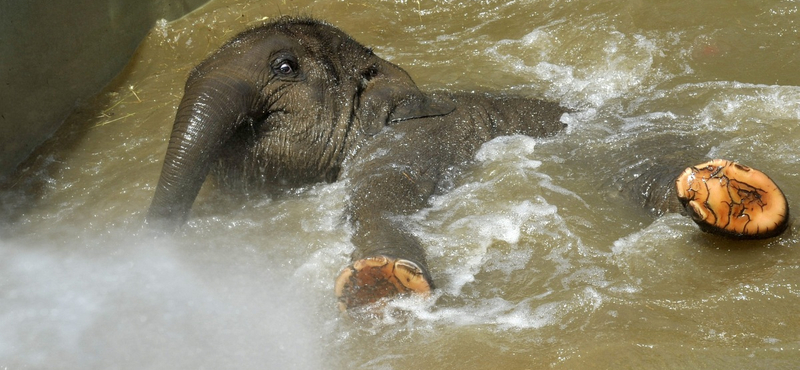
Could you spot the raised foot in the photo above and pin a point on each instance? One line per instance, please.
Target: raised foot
(734, 200)
(369, 280)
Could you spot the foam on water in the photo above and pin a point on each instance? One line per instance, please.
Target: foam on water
(494, 313)
(622, 67)
(470, 236)
(641, 244)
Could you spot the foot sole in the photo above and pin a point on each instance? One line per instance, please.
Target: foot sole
(369, 280)
(731, 199)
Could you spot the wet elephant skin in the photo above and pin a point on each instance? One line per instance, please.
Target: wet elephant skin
(297, 101)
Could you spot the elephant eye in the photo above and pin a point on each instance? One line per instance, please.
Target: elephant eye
(369, 73)
(284, 67)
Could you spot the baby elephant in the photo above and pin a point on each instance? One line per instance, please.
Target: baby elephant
(297, 101)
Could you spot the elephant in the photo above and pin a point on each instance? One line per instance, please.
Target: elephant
(297, 101)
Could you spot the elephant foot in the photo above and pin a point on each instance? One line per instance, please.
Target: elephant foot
(371, 279)
(730, 199)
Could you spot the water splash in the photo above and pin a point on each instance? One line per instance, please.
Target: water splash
(131, 302)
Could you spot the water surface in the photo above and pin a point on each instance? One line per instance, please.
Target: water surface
(541, 261)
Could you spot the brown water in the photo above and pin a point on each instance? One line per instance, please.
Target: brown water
(540, 262)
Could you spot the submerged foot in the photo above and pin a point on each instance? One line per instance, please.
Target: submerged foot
(368, 280)
(727, 198)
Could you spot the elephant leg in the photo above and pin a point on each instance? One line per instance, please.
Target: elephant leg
(388, 261)
(722, 197)
(733, 200)
(397, 173)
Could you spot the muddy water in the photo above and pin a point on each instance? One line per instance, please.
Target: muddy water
(541, 262)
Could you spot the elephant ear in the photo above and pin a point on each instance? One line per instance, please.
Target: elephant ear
(388, 104)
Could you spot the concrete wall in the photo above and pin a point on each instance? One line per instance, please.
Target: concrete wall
(53, 53)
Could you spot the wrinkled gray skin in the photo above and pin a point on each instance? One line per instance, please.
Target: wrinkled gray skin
(297, 101)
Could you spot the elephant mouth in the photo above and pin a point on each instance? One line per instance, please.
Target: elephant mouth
(433, 107)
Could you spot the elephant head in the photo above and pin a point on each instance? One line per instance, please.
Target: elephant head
(281, 104)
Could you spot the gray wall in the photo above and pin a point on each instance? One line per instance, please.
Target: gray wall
(55, 52)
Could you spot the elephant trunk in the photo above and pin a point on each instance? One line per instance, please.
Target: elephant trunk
(211, 110)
